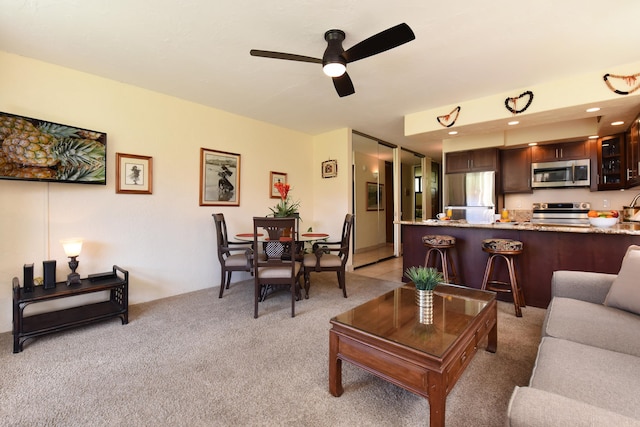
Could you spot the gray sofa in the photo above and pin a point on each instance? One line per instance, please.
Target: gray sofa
(587, 372)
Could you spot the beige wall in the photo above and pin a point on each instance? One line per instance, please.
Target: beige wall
(165, 240)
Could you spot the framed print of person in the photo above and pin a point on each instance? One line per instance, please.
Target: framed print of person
(219, 178)
(330, 169)
(133, 174)
(276, 177)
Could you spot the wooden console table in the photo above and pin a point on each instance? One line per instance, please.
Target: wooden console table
(26, 327)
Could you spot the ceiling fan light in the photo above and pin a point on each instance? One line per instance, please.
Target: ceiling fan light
(334, 69)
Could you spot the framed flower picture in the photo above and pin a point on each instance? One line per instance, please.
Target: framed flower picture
(276, 177)
(134, 174)
(219, 178)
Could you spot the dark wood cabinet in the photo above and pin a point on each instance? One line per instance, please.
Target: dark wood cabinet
(632, 158)
(610, 163)
(515, 165)
(564, 151)
(115, 283)
(485, 159)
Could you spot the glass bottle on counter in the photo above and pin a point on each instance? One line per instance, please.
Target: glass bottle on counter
(504, 215)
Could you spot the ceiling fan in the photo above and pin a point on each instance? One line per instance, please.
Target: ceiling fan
(335, 59)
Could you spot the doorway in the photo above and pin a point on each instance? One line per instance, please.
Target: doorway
(373, 197)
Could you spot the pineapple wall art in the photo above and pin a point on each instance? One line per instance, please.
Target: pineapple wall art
(38, 150)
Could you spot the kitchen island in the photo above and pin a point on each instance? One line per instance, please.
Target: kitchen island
(546, 248)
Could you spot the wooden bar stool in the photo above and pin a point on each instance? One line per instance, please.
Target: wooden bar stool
(440, 245)
(506, 249)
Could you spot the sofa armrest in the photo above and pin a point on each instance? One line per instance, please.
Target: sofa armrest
(531, 407)
(583, 285)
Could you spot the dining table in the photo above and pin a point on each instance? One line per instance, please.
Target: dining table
(263, 237)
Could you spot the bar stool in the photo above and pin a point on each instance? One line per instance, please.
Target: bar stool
(506, 249)
(440, 245)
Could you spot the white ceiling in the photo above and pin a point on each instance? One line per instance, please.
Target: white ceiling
(199, 50)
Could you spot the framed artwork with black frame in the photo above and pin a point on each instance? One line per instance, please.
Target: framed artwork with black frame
(329, 168)
(39, 150)
(134, 174)
(219, 178)
(375, 196)
(275, 178)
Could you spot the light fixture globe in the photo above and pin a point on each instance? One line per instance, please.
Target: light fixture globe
(333, 63)
(334, 69)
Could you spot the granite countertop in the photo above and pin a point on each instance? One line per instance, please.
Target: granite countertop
(629, 228)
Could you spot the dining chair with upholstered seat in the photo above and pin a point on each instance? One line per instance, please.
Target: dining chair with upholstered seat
(277, 266)
(330, 256)
(233, 256)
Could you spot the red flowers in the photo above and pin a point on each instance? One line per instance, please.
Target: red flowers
(283, 189)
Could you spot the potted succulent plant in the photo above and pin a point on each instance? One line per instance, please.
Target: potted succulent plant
(425, 279)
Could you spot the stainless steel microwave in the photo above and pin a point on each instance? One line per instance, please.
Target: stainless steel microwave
(565, 173)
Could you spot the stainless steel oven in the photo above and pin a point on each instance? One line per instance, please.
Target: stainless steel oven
(567, 213)
(566, 173)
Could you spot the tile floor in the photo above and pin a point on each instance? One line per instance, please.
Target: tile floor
(390, 270)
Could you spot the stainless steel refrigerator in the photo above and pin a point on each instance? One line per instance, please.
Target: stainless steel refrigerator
(471, 196)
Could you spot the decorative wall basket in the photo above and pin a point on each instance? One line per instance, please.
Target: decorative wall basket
(424, 300)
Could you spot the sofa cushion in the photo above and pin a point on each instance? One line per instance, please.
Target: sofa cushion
(593, 324)
(625, 289)
(533, 407)
(603, 378)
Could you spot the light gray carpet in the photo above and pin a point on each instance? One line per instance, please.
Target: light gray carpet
(196, 360)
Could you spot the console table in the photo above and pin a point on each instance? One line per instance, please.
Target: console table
(26, 327)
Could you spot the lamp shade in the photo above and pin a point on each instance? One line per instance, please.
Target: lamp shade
(72, 247)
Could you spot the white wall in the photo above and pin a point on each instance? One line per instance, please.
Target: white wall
(165, 240)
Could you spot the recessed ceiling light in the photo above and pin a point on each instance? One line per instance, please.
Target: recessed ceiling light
(618, 123)
(453, 132)
(593, 110)
(593, 137)
(514, 122)
(531, 144)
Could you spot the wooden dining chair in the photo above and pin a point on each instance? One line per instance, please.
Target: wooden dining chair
(278, 265)
(330, 256)
(233, 256)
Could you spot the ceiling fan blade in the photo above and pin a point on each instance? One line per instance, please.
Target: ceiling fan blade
(343, 85)
(287, 56)
(385, 40)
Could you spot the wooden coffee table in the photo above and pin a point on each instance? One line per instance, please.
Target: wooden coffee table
(384, 337)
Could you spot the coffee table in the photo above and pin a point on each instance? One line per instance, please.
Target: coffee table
(384, 337)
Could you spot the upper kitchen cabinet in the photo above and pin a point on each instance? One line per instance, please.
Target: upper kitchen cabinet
(485, 159)
(633, 154)
(515, 165)
(610, 163)
(565, 151)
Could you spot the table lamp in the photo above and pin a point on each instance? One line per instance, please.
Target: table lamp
(72, 248)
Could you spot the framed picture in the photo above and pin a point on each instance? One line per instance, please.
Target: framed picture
(330, 169)
(134, 174)
(219, 178)
(275, 178)
(38, 150)
(375, 196)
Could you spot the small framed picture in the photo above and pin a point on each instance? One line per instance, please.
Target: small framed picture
(276, 177)
(330, 169)
(134, 174)
(375, 196)
(219, 178)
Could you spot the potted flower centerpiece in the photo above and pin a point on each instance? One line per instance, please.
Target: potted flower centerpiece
(285, 207)
(425, 280)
